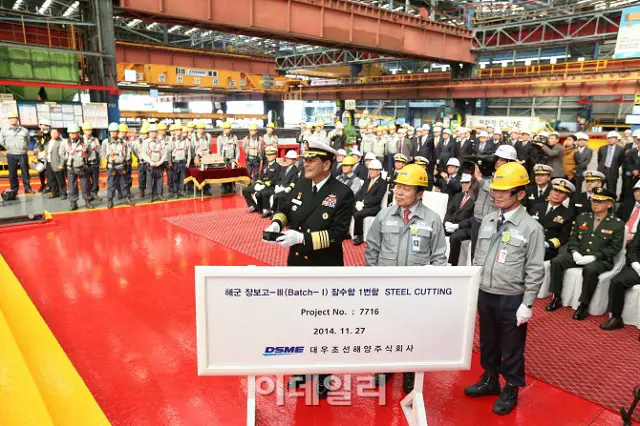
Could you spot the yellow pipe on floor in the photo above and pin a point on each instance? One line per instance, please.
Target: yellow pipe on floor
(65, 395)
(20, 400)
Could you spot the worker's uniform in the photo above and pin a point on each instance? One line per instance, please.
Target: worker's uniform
(268, 141)
(267, 179)
(391, 148)
(483, 206)
(94, 163)
(351, 180)
(138, 149)
(77, 159)
(180, 158)
(227, 146)
(604, 241)
(557, 222)
(254, 148)
(118, 156)
(200, 146)
(511, 255)
(167, 143)
(155, 152)
(40, 151)
(368, 140)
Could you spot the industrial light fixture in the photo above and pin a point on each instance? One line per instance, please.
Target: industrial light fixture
(152, 26)
(71, 10)
(17, 4)
(45, 7)
(134, 23)
(206, 34)
(174, 28)
(191, 31)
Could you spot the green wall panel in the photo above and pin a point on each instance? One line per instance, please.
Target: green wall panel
(31, 64)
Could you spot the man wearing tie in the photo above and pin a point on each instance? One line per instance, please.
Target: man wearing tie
(523, 147)
(582, 200)
(583, 157)
(405, 145)
(465, 145)
(424, 147)
(458, 219)
(484, 151)
(446, 149)
(554, 217)
(368, 200)
(539, 192)
(610, 159)
(627, 211)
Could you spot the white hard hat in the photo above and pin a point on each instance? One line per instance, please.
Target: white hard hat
(45, 122)
(339, 125)
(637, 185)
(40, 167)
(466, 177)
(462, 130)
(507, 152)
(515, 129)
(636, 133)
(543, 134)
(483, 134)
(356, 152)
(291, 154)
(446, 131)
(342, 152)
(581, 135)
(426, 127)
(453, 161)
(497, 130)
(527, 132)
(375, 164)
(370, 156)
(613, 134)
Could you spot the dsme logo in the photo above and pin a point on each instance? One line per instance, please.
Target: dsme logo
(282, 350)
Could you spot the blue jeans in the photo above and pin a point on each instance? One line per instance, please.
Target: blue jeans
(15, 161)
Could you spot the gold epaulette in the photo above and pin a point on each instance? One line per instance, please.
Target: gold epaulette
(555, 242)
(320, 240)
(280, 217)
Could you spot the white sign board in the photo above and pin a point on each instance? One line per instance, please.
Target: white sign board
(350, 104)
(628, 42)
(295, 320)
(6, 107)
(504, 122)
(97, 114)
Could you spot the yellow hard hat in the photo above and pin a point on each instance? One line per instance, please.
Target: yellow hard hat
(379, 129)
(184, 129)
(309, 125)
(190, 125)
(201, 125)
(391, 126)
(162, 126)
(123, 128)
(348, 161)
(319, 124)
(413, 175)
(12, 115)
(271, 126)
(144, 130)
(253, 126)
(87, 126)
(509, 176)
(226, 125)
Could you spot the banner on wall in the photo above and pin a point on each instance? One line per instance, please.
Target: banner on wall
(504, 122)
(628, 42)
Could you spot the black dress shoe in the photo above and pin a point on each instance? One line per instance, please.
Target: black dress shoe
(612, 323)
(64, 196)
(110, 203)
(408, 382)
(73, 206)
(359, 240)
(88, 204)
(581, 313)
(555, 303)
(488, 385)
(28, 191)
(507, 401)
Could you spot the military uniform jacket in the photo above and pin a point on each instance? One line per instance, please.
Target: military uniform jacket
(604, 242)
(533, 197)
(270, 173)
(512, 257)
(557, 224)
(323, 219)
(581, 203)
(392, 243)
(287, 176)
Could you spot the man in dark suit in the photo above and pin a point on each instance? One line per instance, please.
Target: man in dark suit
(583, 157)
(449, 182)
(582, 200)
(555, 218)
(318, 214)
(630, 172)
(446, 148)
(336, 167)
(484, 150)
(285, 182)
(465, 145)
(405, 145)
(524, 147)
(538, 193)
(610, 159)
(368, 200)
(458, 219)
(424, 147)
(360, 170)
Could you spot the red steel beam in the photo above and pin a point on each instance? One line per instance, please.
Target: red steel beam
(334, 23)
(593, 84)
(197, 58)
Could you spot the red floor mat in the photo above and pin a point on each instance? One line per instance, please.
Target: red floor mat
(572, 355)
(242, 231)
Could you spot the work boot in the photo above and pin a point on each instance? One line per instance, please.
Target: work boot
(181, 194)
(581, 313)
(381, 379)
(142, 193)
(64, 196)
(96, 197)
(41, 189)
(176, 195)
(73, 206)
(488, 385)
(110, 203)
(28, 191)
(153, 199)
(507, 401)
(161, 198)
(555, 303)
(119, 195)
(53, 196)
(88, 204)
(612, 323)
(128, 201)
(408, 381)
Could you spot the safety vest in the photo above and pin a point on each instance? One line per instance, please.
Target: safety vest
(270, 140)
(253, 146)
(78, 157)
(116, 153)
(155, 149)
(228, 147)
(202, 145)
(179, 151)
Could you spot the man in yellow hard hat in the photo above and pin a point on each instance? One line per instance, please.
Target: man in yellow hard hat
(270, 138)
(227, 147)
(510, 250)
(413, 236)
(347, 176)
(254, 148)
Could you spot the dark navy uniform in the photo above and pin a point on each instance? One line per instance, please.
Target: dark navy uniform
(267, 178)
(557, 226)
(533, 196)
(287, 179)
(323, 218)
(582, 203)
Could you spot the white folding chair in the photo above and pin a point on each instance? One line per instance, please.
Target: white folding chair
(572, 285)
(436, 201)
(631, 311)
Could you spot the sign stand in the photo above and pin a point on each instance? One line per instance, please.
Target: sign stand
(413, 404)
(251, 400)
